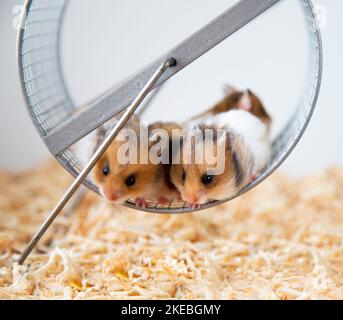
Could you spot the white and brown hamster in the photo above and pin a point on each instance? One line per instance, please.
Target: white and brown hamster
(143, 181)
(243, 142)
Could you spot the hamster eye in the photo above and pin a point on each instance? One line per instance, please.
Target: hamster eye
(183, 176)
(106, 170)
(206, 179)
(130, 180)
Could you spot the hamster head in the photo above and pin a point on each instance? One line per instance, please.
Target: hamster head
(200, 182)
(119, 182)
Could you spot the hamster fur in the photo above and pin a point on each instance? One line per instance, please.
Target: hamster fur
(247, 148)
(235, 99)
(142, 182)
(247, 154)
(196, 183)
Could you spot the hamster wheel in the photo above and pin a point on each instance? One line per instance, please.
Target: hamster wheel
(52, 109)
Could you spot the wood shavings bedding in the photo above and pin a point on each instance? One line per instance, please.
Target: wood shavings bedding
(282, 240)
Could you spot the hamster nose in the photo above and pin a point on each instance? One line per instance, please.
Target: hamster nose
(113, 195)
(192, 198)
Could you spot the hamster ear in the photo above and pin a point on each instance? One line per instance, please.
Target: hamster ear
(193, 126)
(228, 89)
(228, 138)
(99, 137)
(245, 102)
(156, 135)
(153, 136)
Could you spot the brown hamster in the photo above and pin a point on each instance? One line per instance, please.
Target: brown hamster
(199, 184)
(142, 182)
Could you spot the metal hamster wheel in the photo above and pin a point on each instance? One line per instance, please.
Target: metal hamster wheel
(53, 112)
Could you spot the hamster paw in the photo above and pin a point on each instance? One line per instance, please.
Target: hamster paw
(140, 202)
(253, 178)
(163, 201)
(195, 206)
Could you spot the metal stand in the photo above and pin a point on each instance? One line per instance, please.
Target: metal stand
(96, 157)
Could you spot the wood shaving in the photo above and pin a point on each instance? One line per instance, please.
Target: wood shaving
(282, 240)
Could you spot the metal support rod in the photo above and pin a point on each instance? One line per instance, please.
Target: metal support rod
(149, 100)
(97, 155)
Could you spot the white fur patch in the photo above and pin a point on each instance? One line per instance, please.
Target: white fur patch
(252, 130)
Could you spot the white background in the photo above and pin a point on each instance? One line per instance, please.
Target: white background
(104, 43)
